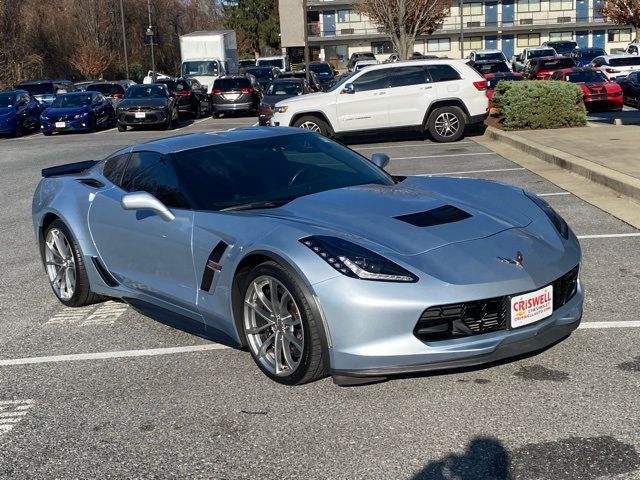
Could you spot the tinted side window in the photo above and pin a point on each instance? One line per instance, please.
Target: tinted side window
(373, 80)
(114, 167)
(152, 172)
(443, 73)
(405, 76)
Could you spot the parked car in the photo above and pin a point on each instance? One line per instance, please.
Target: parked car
(631, 89)
(126, 83)
(360, 64)
(358, 56)
(599, 92)
(632, 49)
(280, 62)
(519, 61)
(148, 105)
(244, 64)
(264, 75)
(616, 66)
(82, 86)
(45, 91)
(19, 113)
(280, 89)
(438, 96)
(584, 56)
(112, 90)
(562, 47)
(494, 78)
(310, 256)
(489, 66)
(324, 74)
(192, 98)
(314, 82)
(488, 55)
(542, 67)
(77, 111)
(236, 94)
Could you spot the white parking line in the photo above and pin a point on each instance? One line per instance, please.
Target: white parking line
(11, 412)
(448, 155)
(610, 235)
(612, 324)
(472, 171)
(198, 121)
(425, 144)
(553, 194)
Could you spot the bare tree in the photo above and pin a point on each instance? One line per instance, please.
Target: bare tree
(404, 20)
(92, 61)
(623, 12)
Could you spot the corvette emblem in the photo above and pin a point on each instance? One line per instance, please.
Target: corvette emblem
(513, 261)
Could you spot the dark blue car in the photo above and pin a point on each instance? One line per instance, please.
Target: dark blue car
(19, 112)
(86, 111)
(583, 56)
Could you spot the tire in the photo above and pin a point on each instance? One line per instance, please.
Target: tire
(122, 128)
(446, 124)
(80, 294)
(92, 127)
(314, 124)
(46, 134)
(215, 114)
(303, 326)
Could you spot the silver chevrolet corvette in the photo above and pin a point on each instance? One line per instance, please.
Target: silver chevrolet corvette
(309, 255)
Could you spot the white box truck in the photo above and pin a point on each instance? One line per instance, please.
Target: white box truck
(207, 55)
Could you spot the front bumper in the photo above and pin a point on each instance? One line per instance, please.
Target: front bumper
(80, 124)
(232, 107)
(152, 117)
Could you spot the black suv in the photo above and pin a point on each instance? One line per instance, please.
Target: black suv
(191, 97)
(235, 93)
(265, 75)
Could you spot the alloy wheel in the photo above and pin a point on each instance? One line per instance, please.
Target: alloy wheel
(447, 124)
(273, 326)
(60, 264)
(314, 127)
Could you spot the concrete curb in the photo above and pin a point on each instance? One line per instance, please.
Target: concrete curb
(620, 182)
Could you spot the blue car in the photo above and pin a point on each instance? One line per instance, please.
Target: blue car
(309, 255)
(85, 111)
(19, 113)
(583, 56)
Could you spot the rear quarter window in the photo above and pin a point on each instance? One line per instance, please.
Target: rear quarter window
(442, 73)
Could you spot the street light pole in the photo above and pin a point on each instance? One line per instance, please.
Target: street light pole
(307, 74)
(150, 37)
(461, 31)
(124, 40)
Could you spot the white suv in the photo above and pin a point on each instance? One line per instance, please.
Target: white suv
(439, 96)
(616, 67)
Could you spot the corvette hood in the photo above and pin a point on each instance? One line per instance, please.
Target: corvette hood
(371, 213)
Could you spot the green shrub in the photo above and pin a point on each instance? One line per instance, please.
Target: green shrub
(533, 104)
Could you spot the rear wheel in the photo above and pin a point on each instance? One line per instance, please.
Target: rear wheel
(282, 329)
(65, 267)
(446, 124)
(314, 124)
(46, 134)
(122, 128)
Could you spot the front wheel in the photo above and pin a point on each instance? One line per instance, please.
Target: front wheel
(314, 124)
(282, 329)
(446, 124)
(122, 128)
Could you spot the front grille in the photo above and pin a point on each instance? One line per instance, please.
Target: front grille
(482, 316)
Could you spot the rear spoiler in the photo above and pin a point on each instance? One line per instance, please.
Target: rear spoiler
(68, 168)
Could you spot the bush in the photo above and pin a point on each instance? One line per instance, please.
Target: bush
(533, 104)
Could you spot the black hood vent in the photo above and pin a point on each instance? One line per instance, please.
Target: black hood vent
(437, 216)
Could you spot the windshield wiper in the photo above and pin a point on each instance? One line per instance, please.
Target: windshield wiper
(252, 205)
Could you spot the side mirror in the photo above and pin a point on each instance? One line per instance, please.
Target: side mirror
(146, 201)
(380, 159)
(348, 88)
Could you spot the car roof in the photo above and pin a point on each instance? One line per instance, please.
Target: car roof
(77, 94)
(261, 67)
(487, 50)
(189, 141)
(611, 57)
(288, 80)
(421, 61)
(38, 82)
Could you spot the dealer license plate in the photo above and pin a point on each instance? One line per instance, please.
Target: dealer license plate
(531, 307)
(231, 96)
(61, 124)
(140, 114)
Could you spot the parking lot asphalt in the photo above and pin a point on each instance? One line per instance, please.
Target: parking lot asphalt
(104, 392)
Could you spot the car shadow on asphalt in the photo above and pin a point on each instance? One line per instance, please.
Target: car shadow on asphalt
(402, 136)
(626, 116)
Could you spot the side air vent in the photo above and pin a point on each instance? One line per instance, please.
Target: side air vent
(212, 266)
(104, 273)
(437, 216)
(91, 182)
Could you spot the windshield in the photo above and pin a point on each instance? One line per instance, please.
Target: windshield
(625, 61)
(588, 76)
(274, 62)
(273, 169)
(146, 91)
(590, 54)
(38, 89)
(496, 67)
(341, 82)
(71, 101)
(556, 63)
(194, 68)
(494, 81)
(261, 72)
(7, 100)
(285, 88)
(563, 46)
(490, 56)
(320, 68)
(175, 85)
(549, 52)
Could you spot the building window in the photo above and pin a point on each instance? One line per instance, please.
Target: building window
(557, 36)
(438, 45)
(472, 43)
(560, 4)
(348, 16)
(528, 6)
(619, 35)
(528, 40)
(472, 8)
(382, 47)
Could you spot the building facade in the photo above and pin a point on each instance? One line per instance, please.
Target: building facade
(335, 29)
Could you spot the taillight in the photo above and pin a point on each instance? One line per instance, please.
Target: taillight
(480, 84)
(183, 93)
(215, 91)
(117, 95)
(246, 90)
(611, 70)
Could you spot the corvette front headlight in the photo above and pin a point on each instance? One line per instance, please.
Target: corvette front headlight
(557, 220)
(281, 109)
(357, 262)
